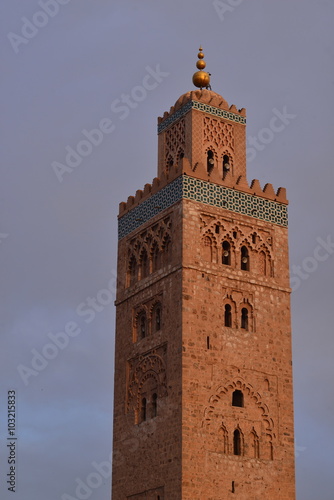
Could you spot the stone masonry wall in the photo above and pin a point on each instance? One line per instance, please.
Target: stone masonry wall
(217, 360)
(147, 453)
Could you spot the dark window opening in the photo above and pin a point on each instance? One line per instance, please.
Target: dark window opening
(157, 318)
(236, 442)
(210, 161)
(238, 398)
(142, 326)
(244, 259)
(228, 315)
(208, 342)
(226, 259)
(244, 318)
(143, 409)
(235, 234)
(154, 405)
(226, 164)
(233, 487)
(254, 238)
(217, 229)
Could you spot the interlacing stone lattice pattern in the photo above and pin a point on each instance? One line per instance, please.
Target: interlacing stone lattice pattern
(206, 108)
(203, 192)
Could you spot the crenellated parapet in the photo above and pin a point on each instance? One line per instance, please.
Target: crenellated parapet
(197, 172)
(183, 183)
(212, 103)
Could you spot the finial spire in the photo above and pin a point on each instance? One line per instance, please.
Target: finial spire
(201, 78)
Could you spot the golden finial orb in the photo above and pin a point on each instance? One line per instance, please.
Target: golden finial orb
(201, 78)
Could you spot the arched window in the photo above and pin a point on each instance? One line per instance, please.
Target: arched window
(210, 162)
(244, 259)
(238, 398)
(144, 265)
(156, 258)
(236, 442)
(154, 405)
(143, 410)
(142, 326)
(226, 258)
(226, 164)
(228, 315)
(244, 318)
(156, 318)
(133, 271)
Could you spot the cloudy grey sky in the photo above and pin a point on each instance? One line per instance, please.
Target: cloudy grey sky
(58, 239)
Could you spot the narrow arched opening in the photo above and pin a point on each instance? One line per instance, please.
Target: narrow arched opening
(238, 398)
(142, 326)
(210, 162)
(236, 442)
(156, 318)
(228, 315)
(226, 164)
(226, 258)
(244, 259)
(244, 318)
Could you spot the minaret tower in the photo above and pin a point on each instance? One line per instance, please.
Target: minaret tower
(203, 402)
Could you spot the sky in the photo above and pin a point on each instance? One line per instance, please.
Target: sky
(68, 66)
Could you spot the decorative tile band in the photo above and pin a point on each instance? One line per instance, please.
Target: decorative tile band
(207, 193)
(158, 202)
(206, 108)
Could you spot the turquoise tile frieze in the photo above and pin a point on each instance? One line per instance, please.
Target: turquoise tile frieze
(206, 108)
(207, 193)
(174, 117)
(158, 202)
(236, 201)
